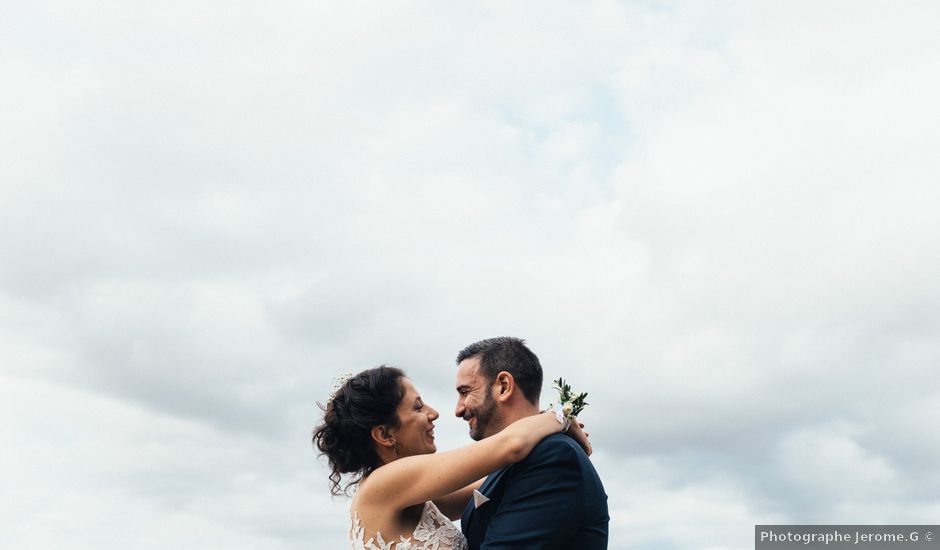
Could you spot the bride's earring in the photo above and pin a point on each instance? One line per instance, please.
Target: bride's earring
(394, 446)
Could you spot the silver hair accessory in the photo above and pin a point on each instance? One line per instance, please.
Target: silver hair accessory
(338, 382)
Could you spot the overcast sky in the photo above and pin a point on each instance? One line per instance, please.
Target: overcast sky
(718, 218)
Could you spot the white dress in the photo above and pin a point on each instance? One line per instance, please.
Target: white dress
(434, 532)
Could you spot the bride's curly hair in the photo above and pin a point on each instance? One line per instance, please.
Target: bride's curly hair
(366, 400)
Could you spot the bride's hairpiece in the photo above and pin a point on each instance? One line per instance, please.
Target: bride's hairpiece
(338, 382)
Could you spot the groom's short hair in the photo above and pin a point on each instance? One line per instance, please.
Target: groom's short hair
(506, 353)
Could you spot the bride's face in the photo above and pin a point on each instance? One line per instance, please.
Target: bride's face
(415, 434)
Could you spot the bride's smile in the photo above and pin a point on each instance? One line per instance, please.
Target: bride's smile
(415, 433)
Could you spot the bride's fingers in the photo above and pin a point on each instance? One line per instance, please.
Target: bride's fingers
(578, 434)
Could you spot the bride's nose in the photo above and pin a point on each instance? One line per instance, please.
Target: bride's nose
(433, 414)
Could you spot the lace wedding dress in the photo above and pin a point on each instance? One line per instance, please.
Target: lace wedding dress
(434, 532)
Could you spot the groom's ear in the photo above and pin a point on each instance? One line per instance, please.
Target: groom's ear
(504, 385)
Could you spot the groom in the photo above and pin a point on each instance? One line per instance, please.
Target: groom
(553, 499)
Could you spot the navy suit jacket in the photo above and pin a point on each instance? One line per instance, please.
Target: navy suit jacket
(551, 500)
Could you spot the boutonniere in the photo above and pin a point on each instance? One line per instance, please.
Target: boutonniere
(570, 404)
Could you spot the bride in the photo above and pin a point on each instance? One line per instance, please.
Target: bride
(377, 428)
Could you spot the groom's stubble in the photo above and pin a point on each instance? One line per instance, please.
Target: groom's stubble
(486, 418)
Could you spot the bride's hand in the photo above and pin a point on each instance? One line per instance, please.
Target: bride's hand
(579, 435)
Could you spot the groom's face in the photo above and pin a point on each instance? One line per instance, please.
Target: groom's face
(475, 404)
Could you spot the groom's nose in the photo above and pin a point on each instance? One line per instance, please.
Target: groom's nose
(460, 409)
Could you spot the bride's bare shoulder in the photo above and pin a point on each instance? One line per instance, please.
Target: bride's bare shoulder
(368, 501)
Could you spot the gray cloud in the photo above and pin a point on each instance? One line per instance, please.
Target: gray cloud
(720, 222)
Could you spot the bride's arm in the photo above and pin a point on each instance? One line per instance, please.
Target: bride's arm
(416, 479)
(453, 504)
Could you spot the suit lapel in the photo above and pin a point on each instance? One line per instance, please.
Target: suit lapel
(467, 523)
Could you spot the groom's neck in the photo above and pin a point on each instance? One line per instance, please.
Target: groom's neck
(515, 411)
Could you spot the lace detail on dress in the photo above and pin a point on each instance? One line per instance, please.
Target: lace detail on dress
(433, 532)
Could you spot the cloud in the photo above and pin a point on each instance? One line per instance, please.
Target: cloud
(718, 221)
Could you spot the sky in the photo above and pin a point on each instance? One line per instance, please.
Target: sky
(720, 219)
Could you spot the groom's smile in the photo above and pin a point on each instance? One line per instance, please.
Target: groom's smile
(471, 422)
(474, 402)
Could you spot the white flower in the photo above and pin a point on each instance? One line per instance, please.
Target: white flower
(567, 409)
